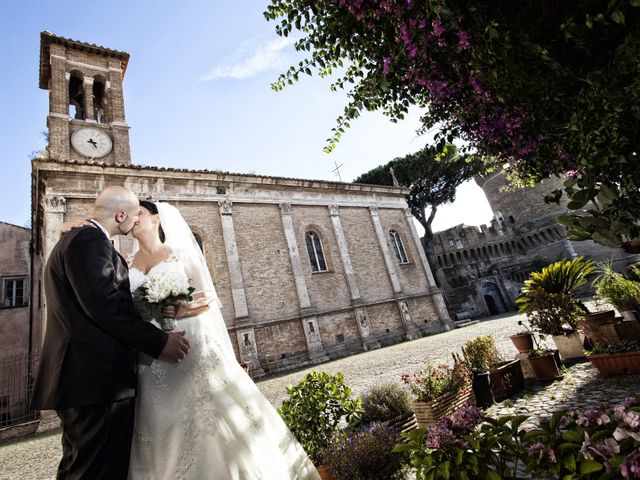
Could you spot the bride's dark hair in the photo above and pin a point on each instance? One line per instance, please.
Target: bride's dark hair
(154, 211)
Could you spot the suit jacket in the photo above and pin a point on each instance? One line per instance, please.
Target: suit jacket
(92, 330)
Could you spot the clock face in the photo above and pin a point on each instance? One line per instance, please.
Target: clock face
(91, 142)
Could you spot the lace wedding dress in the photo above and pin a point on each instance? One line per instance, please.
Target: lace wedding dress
(204, 418)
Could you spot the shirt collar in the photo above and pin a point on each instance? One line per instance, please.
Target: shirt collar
(104, 230)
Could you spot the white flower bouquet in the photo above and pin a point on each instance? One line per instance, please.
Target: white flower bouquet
(160, 289)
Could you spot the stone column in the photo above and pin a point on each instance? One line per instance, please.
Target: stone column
(384, 248)
(344, 253)
(309, 320)
(438, 300)
(410, 329)
(54, 209)
(360, 314)
(294, 256)
(88, 99)
(233, 261)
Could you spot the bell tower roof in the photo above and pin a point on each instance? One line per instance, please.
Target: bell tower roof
(47, 39)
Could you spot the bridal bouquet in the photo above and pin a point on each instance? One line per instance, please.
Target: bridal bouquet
(160, 289)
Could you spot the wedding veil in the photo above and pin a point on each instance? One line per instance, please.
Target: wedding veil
(180, 239)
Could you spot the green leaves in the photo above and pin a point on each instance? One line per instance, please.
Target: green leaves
(315, 408)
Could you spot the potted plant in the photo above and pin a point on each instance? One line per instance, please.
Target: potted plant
(544, 364)
(480, 355)
(564, 276)
(523, 340)
(389, 404)
(619, 291)
(438, 390)
(547, 299)
(314, 409)
(557, 315)
(366, 453)
(616, 358)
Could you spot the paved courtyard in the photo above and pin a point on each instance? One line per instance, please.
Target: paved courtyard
(37, 457)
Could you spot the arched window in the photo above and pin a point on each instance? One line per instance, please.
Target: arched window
(316, 254)
(396, 241)
(76, 96)
(99, 100)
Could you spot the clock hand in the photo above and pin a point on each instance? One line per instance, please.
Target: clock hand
(92, 142)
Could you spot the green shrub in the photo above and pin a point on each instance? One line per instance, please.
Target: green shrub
(384, 402)
(614, 288)
(315, 408)
(481, 353)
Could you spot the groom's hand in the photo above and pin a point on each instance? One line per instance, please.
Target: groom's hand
(176, 349)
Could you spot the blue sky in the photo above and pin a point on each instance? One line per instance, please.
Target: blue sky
(197, 95)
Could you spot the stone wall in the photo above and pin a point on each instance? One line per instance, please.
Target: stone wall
(279, 313)
(482, 268)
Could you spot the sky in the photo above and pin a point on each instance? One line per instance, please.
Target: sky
(198, 96)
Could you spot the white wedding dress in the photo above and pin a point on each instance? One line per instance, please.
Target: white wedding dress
(204, 418)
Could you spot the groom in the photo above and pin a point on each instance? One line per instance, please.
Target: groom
(87, 369)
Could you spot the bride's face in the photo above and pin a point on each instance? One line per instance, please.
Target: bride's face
(147, 223)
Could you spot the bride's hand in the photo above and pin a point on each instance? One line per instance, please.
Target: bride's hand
(181, 309)
(76, 223)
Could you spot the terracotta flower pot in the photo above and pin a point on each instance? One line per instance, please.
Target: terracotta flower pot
(523, 342)
(545, 367)
(324, 472)
(609, 364)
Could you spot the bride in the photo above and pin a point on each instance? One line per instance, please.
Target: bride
(203, 418)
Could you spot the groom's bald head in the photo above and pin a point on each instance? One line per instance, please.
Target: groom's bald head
(116, 207)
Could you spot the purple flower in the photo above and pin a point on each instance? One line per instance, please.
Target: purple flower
(608, 447)
(386, 61)
(586, 447)
(438, 28)
(552, 455)
(463, 39)
(537, 449)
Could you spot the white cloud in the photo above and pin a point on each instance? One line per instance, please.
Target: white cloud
(248, 61)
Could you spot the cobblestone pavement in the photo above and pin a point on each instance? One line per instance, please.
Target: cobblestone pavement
(36, 458)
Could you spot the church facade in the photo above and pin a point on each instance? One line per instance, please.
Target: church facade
(306, 270)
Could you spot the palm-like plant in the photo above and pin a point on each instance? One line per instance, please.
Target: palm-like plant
(613, 287)
(563, 276)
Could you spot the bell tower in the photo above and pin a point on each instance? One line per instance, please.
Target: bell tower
(86, 104)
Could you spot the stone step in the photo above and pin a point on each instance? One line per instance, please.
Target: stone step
(464, 323)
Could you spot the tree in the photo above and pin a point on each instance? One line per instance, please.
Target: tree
(545, 87)
(432, 177)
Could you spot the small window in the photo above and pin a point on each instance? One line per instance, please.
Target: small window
(14, 294)
(340, 338)
(316, 254)
(396, 241)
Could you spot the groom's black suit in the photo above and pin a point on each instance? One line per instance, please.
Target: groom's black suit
(87, 366)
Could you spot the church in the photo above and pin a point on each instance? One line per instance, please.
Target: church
(306, 270)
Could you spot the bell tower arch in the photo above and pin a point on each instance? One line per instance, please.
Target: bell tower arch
(86, 118)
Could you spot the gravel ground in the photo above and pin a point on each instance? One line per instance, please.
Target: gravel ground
(36, 457)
